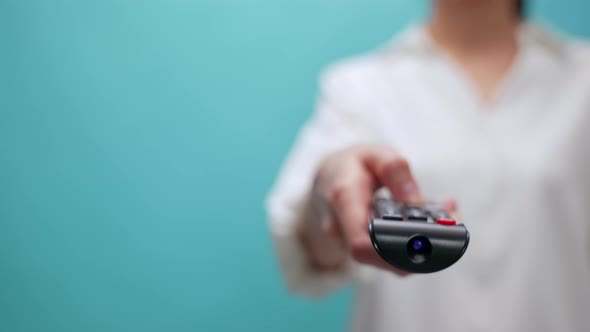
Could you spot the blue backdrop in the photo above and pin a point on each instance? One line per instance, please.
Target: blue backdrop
(138, 140)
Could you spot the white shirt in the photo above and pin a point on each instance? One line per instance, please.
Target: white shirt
(518, 167)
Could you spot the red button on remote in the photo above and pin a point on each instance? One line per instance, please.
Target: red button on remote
(446, 222)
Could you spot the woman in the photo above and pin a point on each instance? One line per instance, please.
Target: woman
(476, 105)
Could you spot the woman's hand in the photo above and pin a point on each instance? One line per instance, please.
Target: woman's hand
(341, 203)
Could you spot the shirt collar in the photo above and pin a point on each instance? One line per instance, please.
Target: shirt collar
(547, 39)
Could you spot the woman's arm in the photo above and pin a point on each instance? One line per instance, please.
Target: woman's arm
(318, 208)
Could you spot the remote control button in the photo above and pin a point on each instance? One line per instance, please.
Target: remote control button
(415, 214)
(386, 209)
(446, 222)
(439, 214)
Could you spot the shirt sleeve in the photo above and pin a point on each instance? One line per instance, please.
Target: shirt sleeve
(338, 122)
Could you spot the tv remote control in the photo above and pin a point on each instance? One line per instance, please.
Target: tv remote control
(416, 239)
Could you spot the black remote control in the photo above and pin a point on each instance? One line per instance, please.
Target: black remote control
(416, 239)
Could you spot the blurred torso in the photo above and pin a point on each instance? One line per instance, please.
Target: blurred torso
(518, 169)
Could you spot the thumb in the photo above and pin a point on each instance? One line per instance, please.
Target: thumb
(396, 175)
(393, 171)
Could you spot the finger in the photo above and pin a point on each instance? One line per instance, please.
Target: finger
(396, 175)
(350, 206)
(394, 172)
(332, 229)
(450, 205)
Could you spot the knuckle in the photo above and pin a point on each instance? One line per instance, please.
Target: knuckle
(340, 192)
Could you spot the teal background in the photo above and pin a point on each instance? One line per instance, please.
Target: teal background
(138, 140)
